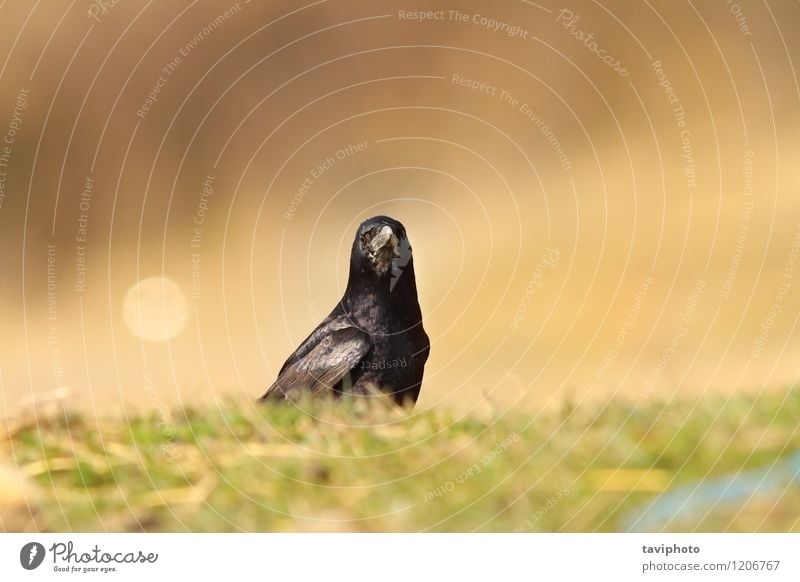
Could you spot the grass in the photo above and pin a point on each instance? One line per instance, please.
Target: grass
(347, 467)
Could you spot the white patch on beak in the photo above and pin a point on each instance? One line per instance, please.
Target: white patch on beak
(384, 235)
(382, 249)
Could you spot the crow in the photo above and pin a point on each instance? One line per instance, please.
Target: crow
(373, 340)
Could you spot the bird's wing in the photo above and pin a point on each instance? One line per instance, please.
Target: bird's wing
(333, 322)
(321, 367)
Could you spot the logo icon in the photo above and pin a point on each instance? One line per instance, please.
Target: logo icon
(31, 555)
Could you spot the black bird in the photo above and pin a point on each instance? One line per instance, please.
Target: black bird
(373, 339)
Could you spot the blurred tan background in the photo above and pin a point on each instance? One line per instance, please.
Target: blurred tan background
(581, 227)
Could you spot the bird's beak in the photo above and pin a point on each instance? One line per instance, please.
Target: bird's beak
(381, 239)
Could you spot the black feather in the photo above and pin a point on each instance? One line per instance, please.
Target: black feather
(373, 338)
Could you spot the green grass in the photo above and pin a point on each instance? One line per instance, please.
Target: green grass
(347, 467)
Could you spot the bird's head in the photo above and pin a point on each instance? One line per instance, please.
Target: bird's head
(381, 247)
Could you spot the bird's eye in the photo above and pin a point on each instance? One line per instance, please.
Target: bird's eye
(366, 237)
